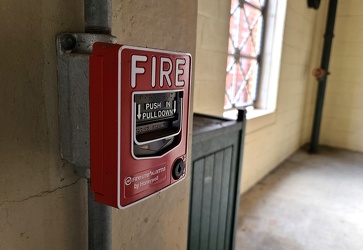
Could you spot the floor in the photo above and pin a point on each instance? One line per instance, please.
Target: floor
(309, 202)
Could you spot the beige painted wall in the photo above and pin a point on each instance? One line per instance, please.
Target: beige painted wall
(211, 56)
(43, 205)
(270, 139)
(342, 124)
(312, 84)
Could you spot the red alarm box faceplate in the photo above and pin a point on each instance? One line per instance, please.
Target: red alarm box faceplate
(139, 112)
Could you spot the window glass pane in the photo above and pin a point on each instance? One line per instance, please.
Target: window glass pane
(244, 48)
(257, 34)
(257, 3)
(248, 47)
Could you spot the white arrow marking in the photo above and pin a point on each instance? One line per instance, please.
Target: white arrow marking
(138, 112)
(174, 106)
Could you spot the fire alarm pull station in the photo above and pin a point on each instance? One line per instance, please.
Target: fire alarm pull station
(139, 109)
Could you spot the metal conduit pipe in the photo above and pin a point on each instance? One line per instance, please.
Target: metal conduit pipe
(328, 40)
(97, 17)
(99, 224)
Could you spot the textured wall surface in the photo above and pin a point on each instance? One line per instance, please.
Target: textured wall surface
(211, 56)
(342, 124)
(271, 139)
(43, 204)
(315, 61)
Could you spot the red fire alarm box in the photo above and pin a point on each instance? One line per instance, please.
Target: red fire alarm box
(139, 110)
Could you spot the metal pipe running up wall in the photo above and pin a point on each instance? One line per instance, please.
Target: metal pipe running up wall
(99, 224)
(328, 41)
(97, 16)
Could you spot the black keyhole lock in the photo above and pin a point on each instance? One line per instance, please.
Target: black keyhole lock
(178, 169)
